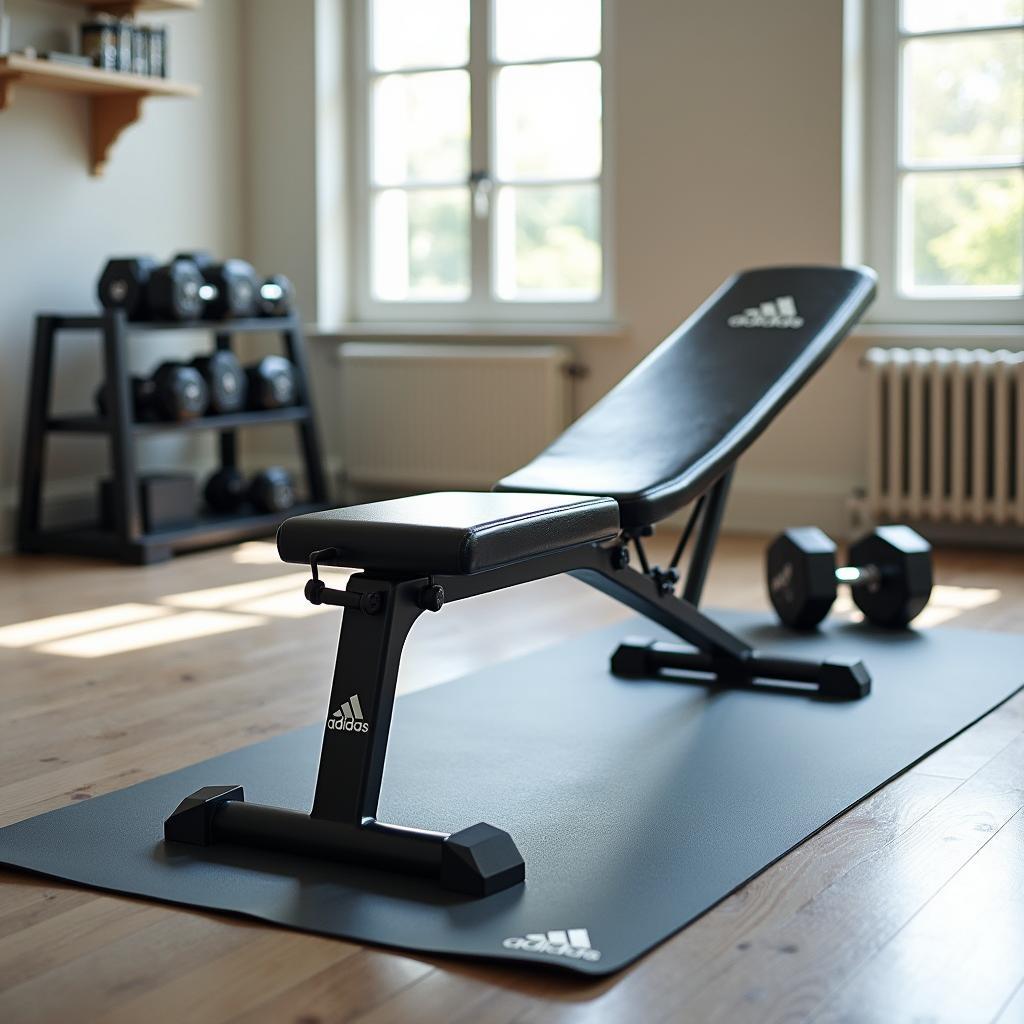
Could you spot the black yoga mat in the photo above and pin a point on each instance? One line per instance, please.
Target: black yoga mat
(637, 805)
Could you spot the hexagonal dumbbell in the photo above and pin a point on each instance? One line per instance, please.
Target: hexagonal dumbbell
(234, 285)
(890, 575)
(177, 291)
(123, 283)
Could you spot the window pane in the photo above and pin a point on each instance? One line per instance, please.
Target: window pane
(963, 233)
(930, 15)
(549, 243)
(419, 33)
(964, 98)
(421, 127)
(549, 121)
(421, 244)
(538, 29)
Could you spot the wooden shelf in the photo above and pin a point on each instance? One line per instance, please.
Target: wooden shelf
(124, 7)
(115, 96)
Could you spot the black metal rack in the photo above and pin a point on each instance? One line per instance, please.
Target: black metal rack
(127, 540)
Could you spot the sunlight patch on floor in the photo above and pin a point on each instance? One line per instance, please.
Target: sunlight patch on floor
(256, 552)
(173, 629)
(946, 603)
(117, 629)
(219, 597)
(289, 605)
(56, 627)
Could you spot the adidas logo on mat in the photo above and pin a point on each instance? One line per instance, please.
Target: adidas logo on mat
(573, 943)
(780, 313)
(349, 717)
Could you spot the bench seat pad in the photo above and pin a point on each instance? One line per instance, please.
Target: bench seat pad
(450, 532)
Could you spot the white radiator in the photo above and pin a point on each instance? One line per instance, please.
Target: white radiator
(946, 435)
(417, 416)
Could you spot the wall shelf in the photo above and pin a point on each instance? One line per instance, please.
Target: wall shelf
(126, 7)
(115, 96)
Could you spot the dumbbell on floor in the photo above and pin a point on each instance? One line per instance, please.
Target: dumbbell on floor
(890, 575)
(270, 490)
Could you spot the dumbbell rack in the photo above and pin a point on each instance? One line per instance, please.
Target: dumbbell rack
(127, 541)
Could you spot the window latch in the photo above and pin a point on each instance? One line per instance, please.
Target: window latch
(481, 185)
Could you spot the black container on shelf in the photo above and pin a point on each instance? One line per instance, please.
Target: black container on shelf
(99, 42)
(166, 500)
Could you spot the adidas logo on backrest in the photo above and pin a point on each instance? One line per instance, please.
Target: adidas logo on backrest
(780, 313)
(573, 943)
(349, 717)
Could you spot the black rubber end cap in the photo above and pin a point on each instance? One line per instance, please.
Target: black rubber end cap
(480, 860)
(844, 680)
(630, 658)
(192, 820)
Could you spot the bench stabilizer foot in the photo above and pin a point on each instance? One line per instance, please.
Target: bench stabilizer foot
(476, 861)
(838, 679)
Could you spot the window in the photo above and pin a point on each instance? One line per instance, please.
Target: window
(946, 181)
(481, 189)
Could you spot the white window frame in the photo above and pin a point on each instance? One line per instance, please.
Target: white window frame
(482, 306)
(884, 175)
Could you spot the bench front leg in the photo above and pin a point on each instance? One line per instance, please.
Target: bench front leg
(476, 861)
(362, 700)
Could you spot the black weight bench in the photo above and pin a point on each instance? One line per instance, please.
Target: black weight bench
(665, 438)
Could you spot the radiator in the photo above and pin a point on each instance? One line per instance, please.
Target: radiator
(946, 435)
(416, 416)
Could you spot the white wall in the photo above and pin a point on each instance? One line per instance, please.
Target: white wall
(175, 180)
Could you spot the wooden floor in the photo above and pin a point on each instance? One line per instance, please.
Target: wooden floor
(909, 908)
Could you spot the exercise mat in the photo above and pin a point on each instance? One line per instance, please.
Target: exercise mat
(637, 805)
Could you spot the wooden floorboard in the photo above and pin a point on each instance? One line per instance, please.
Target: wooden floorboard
(910, 907)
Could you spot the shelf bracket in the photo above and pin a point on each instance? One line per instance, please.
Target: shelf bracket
(7, 84)
(111, 115)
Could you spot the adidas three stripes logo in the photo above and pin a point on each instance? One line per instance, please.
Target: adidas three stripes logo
(572, 942)
(349, 717)
(779, 313)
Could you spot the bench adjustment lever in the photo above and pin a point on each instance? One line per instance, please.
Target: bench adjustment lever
(317, 592)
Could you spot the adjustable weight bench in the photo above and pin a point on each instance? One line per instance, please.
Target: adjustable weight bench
(665, 438)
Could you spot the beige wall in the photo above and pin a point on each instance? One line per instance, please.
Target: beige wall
(727, 149)
(728, 146)
(174, 181)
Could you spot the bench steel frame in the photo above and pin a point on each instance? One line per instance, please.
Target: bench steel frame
(381, 610)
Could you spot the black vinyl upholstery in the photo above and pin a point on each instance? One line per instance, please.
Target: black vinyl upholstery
(452, 532)
(684, 415)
